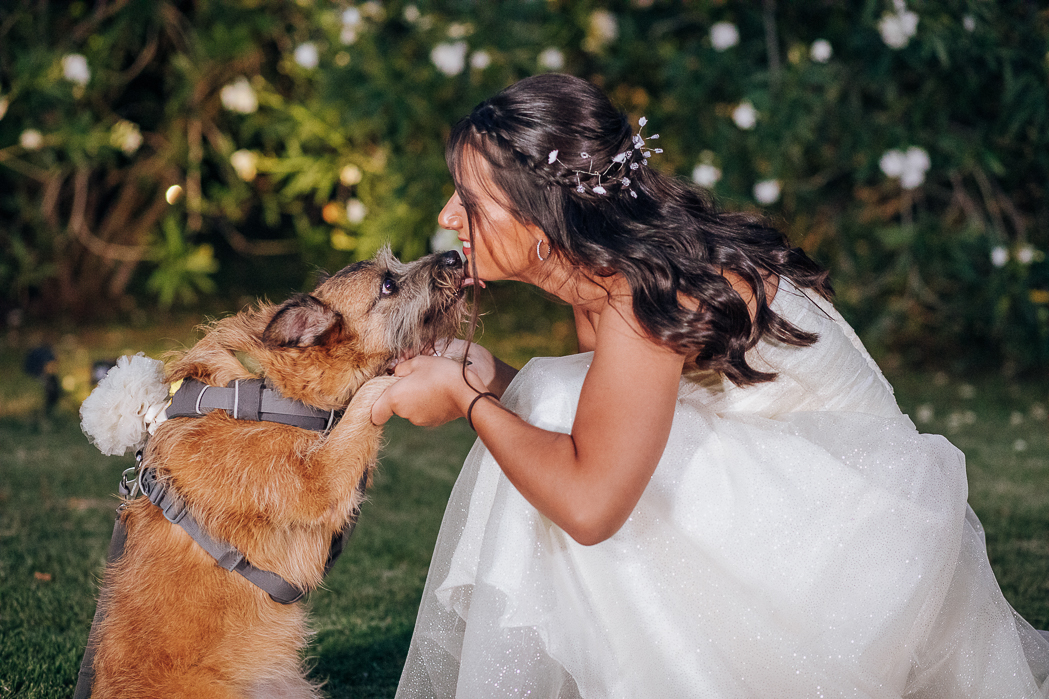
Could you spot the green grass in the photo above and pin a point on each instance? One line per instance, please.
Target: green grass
(56, 507)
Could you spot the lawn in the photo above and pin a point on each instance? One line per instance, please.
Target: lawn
(56, 506)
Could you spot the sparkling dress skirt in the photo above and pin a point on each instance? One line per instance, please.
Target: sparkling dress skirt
(799, 539)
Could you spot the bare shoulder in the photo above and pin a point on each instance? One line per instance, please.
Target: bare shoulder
(747, 294)
(624, 352)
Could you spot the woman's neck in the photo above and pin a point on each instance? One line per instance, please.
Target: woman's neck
(580, 288)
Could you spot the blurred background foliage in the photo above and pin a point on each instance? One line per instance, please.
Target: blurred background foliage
(161, 153)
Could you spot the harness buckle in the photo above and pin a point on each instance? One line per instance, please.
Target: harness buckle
(130, 480)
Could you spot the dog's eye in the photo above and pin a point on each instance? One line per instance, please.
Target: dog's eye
(389, 287)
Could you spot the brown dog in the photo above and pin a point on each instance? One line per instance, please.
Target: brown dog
(177, 624)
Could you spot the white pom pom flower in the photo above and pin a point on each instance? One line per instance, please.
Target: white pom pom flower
(116, 415)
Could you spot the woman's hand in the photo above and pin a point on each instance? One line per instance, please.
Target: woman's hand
(431, 391)
(493, 372)
(482, 362)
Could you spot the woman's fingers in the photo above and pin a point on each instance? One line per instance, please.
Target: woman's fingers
(382, 409)
(429, 392)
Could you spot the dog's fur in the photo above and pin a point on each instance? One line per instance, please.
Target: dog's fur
(179, 625)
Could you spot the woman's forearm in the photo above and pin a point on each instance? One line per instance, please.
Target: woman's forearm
(544, 467)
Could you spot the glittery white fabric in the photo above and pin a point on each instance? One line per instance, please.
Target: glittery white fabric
(799, 539)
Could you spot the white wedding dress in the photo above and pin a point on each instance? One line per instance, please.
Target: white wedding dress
(799, 539)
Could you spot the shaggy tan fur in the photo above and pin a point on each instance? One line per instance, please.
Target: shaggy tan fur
(177, 624)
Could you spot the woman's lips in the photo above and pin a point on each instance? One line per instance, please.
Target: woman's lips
(467, 279)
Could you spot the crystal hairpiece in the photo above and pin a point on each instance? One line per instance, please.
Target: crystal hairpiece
(619, 160)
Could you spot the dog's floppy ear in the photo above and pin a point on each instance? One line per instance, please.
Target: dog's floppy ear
(302, 321)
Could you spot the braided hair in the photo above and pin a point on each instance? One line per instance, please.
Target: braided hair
(662, 235)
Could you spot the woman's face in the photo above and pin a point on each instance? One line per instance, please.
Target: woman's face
(503, 247)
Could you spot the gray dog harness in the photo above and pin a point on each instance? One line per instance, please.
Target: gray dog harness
(242, 400)
(247, 400)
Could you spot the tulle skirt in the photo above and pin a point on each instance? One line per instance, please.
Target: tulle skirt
(798, 540)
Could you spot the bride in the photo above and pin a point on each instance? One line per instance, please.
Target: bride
(718, 496)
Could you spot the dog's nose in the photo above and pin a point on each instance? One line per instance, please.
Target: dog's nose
(449, 259)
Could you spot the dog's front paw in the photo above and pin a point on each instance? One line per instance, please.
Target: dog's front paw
(360, 408)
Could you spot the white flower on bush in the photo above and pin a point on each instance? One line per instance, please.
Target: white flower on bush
(351, 17)
(969, 22)
(459, 30)
(450, 59)
(351, 22)
(999, 256)
(126, 136)
(75, 70)
(724, 35)
(821, 51)
(373, 10)
(411, 14)
(356, 211)
(552, 59)
(898, 27)
(925, 414)
(603, 30)
(307, 56)
(245, 163)
(239, 96)
(350, 175)
(443, 240)
(891, 163)
(480, 60)
(767, 191)
(745, 115)
(1025, 254)
(706, 175)
(909, 167)
(31, 139)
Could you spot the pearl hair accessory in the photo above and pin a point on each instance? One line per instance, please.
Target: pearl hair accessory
(619, 160)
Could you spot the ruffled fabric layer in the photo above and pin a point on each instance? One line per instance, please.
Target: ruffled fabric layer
(798, 539)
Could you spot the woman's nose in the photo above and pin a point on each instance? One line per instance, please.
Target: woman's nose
(452, 215)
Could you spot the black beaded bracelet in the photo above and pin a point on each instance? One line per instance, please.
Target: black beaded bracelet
(469, 411)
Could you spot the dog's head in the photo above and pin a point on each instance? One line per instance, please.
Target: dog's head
(320, 347)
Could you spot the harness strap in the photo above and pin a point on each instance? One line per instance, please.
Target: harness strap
(244, 400)
(247, 399)
(161, 494)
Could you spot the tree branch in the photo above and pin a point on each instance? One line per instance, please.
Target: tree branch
(95, 245)
(772, 41)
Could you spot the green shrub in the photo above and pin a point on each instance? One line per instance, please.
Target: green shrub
(905, 145)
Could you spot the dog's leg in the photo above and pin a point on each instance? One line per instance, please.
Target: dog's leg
(329, 491)
(213, 359)
(349, 452)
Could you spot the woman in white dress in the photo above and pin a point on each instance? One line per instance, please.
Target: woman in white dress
(718, 497)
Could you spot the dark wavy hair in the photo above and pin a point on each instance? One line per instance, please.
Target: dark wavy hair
(667, 240)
